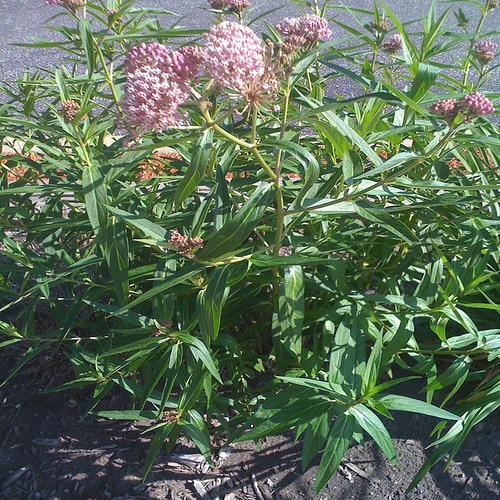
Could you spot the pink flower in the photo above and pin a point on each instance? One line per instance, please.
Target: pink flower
(310, 27)
(158, 82)
(393, 44)
(476, 104)
(485, 51)
(235, 59)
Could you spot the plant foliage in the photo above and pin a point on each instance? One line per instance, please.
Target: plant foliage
(280, 257)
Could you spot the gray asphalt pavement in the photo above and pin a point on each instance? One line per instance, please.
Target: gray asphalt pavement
(24, 20)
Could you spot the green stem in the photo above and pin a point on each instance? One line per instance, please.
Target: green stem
(86, 156)
(280, 219)
(441, 352)
(253, 134)
(108, 75)
(252, 147)
(279, 162)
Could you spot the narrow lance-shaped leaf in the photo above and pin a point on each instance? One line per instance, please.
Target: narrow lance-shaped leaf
(315, 437)
(199, 351)
(197, 167)
(404, 403)
(338, 441)
(349, 133)
(94, 192)
(370, 423)
(85, 32)
(117, 250)
(241, 225)
(308, 162)
(289, 316)
(139, 223)
(209, 304)
(195, 427)
(387, 221)
(424, 79)
(454, 372)
(172, 280)
(290, 407)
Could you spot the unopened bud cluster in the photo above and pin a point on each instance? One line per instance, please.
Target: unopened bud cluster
(72, 5)
(232, 5)
(69, 110)
(484, 51)
(393, 44)
(379, 28)
(184, 244)
(473, 104)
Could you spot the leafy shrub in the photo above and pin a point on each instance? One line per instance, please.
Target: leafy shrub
(198, 223)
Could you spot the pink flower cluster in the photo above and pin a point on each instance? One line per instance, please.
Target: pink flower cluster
(157, 84)
(234, 56)
(485, 51)
(309, 27)
(473, 104)
(232, 5)
(159, 81)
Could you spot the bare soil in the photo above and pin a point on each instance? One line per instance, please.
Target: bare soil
(48, 452)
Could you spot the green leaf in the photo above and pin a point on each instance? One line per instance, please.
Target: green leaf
(289, 316)
(159, 438)
(197, 167)
(347, 353)
(172, 280)
(315, 437)
(85, 32)
(395, 341)
(290, 407)
(348, 133)
(403, 403)
(147, 227)
(200, 351)
(425, 77)
(370, 374)
(94, 192)
(117, 256)
(320, 385)
(241, 225)
(370, 422)
(449, 444)
(385, 220)
(127, 414)
(209, 303)
(196, 430)
(338, 442)
(458, 369)
(298, 259)
(306, 159)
